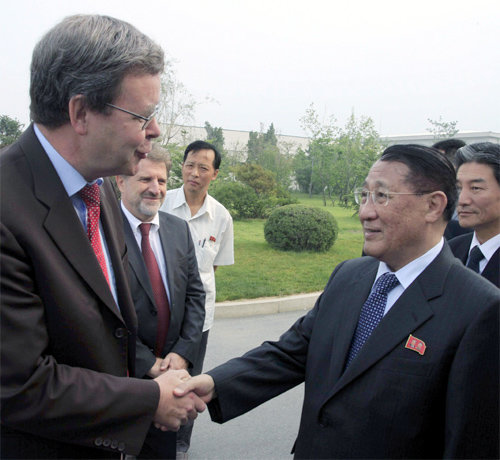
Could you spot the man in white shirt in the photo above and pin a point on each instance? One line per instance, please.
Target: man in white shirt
(399, 355)
(478, 178)
(211, 227)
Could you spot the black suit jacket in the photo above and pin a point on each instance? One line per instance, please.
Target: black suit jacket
(460, 246)
(187, 296)
(391, 402)
(65, 346)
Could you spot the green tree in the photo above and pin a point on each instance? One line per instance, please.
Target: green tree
(10, 130)
(215, 136)
(337, 159)
(255, 176)
(442, 129)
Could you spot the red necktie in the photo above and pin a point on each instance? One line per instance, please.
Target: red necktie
(159, 292)
(90, 195)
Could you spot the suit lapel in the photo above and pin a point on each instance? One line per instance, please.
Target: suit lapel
(344, 326)
(492, 270)
(62, 222)
(166, 238)
(136, 260)
(409, 312)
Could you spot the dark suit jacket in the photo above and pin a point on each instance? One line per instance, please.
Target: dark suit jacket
(187, 296)
(460, 247)
(391, 402)
(453, 230)
(65, 346)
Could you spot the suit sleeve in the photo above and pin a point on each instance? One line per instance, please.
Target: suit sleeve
(194, 306)
(58, 401)
(472, 401)
(265, 372)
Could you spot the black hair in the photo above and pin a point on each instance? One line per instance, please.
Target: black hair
(429, 170)
(196, 146)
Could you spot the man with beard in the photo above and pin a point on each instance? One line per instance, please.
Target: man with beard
(165, 283)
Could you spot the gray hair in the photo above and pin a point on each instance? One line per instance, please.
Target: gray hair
(160, 154)
(88, 55)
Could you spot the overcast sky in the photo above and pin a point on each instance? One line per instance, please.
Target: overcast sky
(261, 61)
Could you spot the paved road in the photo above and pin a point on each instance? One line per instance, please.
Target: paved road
(267, 432)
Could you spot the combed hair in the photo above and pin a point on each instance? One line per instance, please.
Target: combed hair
(486, 153)
(196, 146)
(429, 170)
(160, 154)
(88, 55)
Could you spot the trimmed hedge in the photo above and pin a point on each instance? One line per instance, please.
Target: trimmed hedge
(301, 228)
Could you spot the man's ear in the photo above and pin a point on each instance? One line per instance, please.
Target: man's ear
(119, 182)
(436, 204)
(78, 114)
(215, 174)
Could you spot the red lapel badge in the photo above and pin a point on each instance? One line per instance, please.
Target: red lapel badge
(416, 345)
(212, 238)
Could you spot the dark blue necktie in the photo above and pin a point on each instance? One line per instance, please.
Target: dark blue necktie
(371, 313)
(475, 257)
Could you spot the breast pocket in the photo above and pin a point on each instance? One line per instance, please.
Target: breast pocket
(207, 257)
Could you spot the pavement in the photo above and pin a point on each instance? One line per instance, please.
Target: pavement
(265, 305)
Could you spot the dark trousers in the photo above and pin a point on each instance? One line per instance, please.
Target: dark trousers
(184, 434)
(159, 444)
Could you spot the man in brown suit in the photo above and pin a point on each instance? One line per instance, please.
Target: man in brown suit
(68, 326)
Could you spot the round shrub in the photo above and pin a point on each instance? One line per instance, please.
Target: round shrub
(300, 228)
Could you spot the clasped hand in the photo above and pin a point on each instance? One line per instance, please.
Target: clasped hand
(181, 398)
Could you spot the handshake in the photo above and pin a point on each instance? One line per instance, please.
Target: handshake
(181, 398)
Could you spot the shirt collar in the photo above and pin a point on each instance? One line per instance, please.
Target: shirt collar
(135, 222)
(407, 274)
(488, 248)
(71, 179)
(206, 207)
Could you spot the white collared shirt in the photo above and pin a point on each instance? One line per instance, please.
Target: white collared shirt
(154, 240)
(488, 248)
(407, 274)
(212, 232)
(73, 182)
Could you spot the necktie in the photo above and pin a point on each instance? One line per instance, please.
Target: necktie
(371, 313)
(159, 292)
(90, 195)
(475, 257)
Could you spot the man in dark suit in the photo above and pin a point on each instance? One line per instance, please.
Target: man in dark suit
(406, 367)
(68, 325)
(170, 240)
(478, 178)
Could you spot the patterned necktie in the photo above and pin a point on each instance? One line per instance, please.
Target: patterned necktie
(475, 257)
(159, 292)
(371, 313)
(90, 195)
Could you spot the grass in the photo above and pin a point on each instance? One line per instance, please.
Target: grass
(260, 271)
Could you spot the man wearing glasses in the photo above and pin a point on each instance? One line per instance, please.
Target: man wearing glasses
(400, 353)
(68, 325)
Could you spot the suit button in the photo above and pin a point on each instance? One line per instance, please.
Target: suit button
(121, 446)
(98, 442)
(120, 333)
(106, 442)
(114, 444)
(154, 313)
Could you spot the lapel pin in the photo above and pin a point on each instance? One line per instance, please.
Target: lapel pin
(415, 344)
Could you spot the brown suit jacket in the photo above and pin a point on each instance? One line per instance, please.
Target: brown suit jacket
(66, 347)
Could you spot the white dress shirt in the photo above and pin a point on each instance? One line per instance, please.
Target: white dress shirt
(488, 248)
(212, 232)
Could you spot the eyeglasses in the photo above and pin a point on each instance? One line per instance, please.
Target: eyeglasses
(380, 196)
(147, 120)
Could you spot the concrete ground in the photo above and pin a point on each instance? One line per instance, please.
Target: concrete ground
(269, 431)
